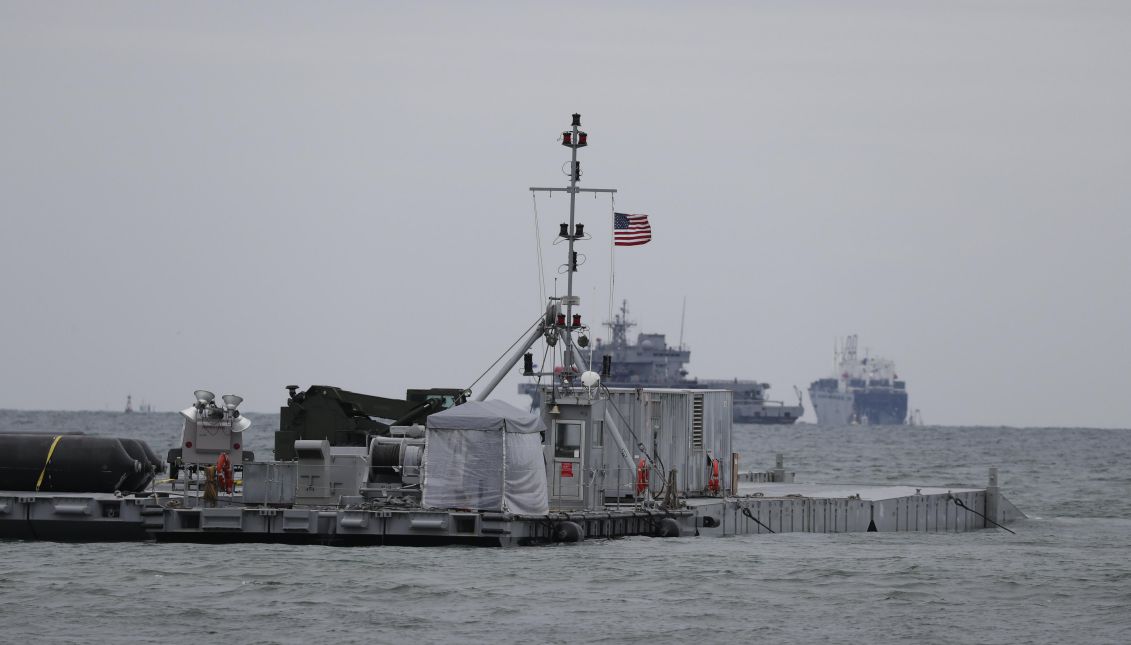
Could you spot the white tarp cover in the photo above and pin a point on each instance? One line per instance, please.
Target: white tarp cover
(486, 456)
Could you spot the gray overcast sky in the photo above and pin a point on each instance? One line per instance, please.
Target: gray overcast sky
(242, 196)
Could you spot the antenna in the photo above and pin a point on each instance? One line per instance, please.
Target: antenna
(682, 318)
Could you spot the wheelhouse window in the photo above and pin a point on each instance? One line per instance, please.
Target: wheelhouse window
(567, 442)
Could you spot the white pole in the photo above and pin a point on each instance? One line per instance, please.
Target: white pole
(612, 252)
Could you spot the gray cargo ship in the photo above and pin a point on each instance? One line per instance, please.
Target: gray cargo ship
(650, 363)
(864, 390)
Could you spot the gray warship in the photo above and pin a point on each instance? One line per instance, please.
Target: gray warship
(864, 390)
(651, 362)
(451, 466)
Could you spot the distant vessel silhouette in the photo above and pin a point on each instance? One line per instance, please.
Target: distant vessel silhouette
(864, 390)
(144, 407)
(651, 362)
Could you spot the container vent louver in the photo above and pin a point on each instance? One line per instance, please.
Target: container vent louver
(697, 422)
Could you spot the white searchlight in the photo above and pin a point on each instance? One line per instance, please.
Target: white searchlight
(231, 401)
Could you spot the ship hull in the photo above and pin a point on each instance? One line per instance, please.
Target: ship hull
(832, 408)
(835, 408)
(881, 408)
(767, 415)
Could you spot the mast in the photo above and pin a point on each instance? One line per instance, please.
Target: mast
(618, 328)
(555, 326)
(574, 177)
(573, 139)
(682, 319)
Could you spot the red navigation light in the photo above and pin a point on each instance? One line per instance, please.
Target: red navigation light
(235, 446)
(561, 319)
(577, 320)
(582, 139)
(188, 444)
(567, 138)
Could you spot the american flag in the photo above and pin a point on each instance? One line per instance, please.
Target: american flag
(631, 230)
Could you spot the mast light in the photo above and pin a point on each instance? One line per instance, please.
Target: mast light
(567, 138)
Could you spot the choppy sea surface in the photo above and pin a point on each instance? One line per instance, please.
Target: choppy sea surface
(1065, 577)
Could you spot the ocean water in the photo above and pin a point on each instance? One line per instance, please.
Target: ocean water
(1065, 577)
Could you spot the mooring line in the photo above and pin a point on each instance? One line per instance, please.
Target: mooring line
(959, 503)
(747, 513)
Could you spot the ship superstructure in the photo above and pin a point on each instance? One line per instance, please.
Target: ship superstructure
(650, 362)
(864, 390)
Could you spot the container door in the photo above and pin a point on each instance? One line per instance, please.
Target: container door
(568, 462)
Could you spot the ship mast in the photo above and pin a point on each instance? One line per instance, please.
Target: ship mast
(619, 327)
(573, 139)
(556, 325)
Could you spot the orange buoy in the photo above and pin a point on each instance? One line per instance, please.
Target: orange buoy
(642, 476)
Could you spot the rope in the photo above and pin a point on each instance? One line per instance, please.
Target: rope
(538, 248)
(504, 354)
(50, 452)
(959, 503)
(612, 251)
(747, 513)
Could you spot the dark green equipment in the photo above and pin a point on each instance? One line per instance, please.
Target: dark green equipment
(348, 418)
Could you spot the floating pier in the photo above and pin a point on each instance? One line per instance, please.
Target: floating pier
(762, 506)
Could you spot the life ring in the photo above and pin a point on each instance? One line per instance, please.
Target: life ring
(224, 479)
(642, 476)
(713, 482)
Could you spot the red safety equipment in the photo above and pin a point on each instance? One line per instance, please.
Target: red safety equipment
(713, 482)
(224, 479)
(642, 476)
